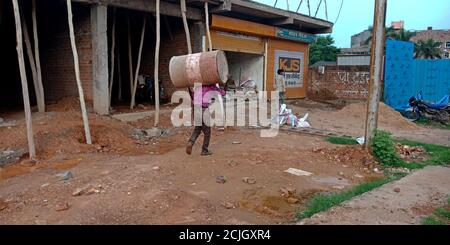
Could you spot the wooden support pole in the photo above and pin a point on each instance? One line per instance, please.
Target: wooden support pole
(376, 67)
(31, 61)
(113, 48)
(130, 57)
(208, 33)
(23, 76)
(138, 64)
(37, 57)
(186, 26)
(77, 74)
(158, 40)
(186, 31)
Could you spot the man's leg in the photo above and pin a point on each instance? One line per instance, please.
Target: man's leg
(194, 136)
(207, 137)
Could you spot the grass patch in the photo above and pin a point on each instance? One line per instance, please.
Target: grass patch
(441, 212)
(322, 202)
(433, 124)
(440, 216)
(341, 141)
(432, 221)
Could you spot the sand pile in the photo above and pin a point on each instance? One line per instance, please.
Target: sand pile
(387, 117)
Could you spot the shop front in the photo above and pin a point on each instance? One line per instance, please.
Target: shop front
(256, 51)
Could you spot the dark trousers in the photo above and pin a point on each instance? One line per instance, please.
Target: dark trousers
(207, 136)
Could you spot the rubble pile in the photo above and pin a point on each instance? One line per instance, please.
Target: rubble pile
(411, 153)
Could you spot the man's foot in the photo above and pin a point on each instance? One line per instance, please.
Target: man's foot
(189, 148)
(206, 153)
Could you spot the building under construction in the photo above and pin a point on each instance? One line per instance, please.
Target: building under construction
(258, 39)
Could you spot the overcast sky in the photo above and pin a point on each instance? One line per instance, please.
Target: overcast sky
(357, 15)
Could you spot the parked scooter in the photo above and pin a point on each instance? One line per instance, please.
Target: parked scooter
(420, 109)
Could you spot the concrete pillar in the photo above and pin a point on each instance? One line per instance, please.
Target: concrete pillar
(99, 24)
(197, 31)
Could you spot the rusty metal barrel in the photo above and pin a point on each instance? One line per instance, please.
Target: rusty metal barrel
(206, 68)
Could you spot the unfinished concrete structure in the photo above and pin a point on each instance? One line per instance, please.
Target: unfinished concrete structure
(93, 21)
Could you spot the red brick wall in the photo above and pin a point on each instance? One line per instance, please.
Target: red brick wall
(339, 82)
(169, 48)
(58, 71)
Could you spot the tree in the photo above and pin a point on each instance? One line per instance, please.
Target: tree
(428, 49)
(401, 35)
(323, 50)
(391, 33)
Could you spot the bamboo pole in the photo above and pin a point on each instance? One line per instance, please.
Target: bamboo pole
(208, 33)
(186, 27)
(77, 74)
(130, 57)
(23, 76)
(113, 47)
(37, 57)
(158, 40)
(138, 64)
(30, 56)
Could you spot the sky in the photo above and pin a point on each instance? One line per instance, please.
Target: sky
(357, 15)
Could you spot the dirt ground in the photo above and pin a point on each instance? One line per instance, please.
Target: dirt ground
(350, 119)
(127, 178)
(406, 201)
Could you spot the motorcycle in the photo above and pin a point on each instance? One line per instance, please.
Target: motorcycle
(421, 109)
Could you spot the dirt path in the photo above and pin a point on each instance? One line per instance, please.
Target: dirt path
(173, 188)
(406, 201)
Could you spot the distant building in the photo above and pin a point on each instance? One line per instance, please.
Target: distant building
(358, 56)
(360, 40)
(353, 60)
(324, 63)
(398, 25)
(359, 53)
(442, 36)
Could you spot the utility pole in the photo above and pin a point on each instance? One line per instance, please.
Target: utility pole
(376, 67)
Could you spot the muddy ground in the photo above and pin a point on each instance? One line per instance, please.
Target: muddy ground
(128, 178)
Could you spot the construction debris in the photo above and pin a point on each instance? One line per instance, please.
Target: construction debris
(10, 156)
(287, 192)
(297, 172)
(411, 153)
(249, 180)
(65, 176)
(287, 117)
(228, 205)
(62, 206)
(221, 179)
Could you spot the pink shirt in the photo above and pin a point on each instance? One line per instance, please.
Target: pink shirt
(203, 97)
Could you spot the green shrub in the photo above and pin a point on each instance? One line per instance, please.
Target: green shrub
(383, 149)
(432, 221)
